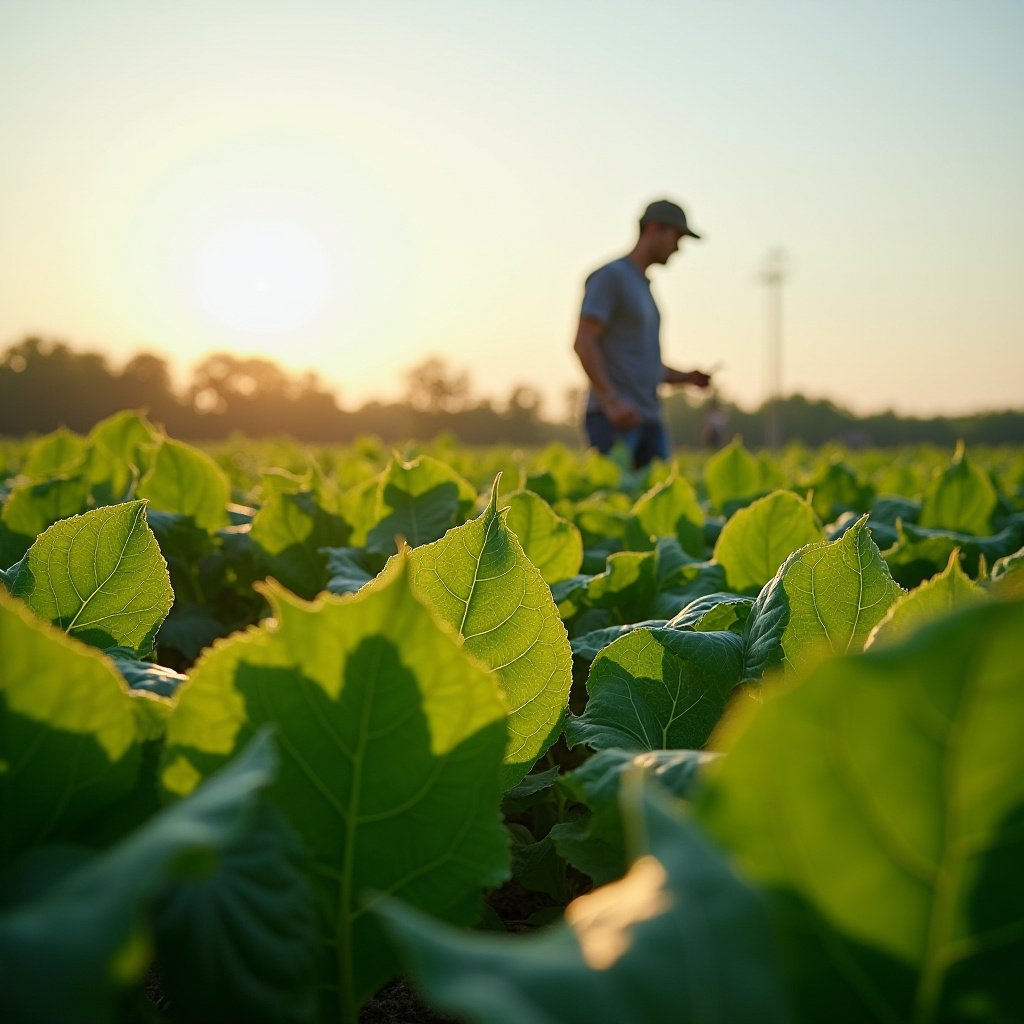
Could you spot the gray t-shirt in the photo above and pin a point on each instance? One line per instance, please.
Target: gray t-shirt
(619, 296)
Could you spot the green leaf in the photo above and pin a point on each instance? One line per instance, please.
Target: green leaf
(418, 501)
(658, 689)
(99, 577)
(145, 675)
(961, 498)
(595, 843)
(881, 803)
(732, 475)
(716, 612)
(71, 950)
(387, 731)
(32, 508)
(589, 645)
(349, 569)
(919, 552)
(759, 538)
(679, 938)
(290, 531)
(839, 490)
(937, 597)
(478, 581)
(552, 543)
(59, 453)
(236, 937)
(825, 599)
(671, 509)
(627, 587)
(69, 744)
(188, 482)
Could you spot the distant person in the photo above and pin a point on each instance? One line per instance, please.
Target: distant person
(618, 342)
(714, 424)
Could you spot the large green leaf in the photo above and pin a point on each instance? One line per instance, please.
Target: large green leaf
(679, 938)
(478, 580)
(961, 498)
(188, 482)
(658, 689)
(99, 577)
(757, 539)
(290, 530)
(391, 741)
(825, 599)
(418, 501)
(74, 945)
(882, 803)
(732, 475)
(552, 543)
(944, 593)
(671, 509)
(68, 742)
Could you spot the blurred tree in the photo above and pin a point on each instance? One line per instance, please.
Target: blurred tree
(431, 386)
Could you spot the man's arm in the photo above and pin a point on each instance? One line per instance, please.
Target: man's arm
(620, 412)
(696, 377)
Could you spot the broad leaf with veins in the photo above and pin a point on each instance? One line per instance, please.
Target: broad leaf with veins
(658, 689)
(479, 581)
(882, 804)
(391, 742)
(825, 599)
(99, 576)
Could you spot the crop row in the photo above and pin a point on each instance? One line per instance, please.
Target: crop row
(738, 739)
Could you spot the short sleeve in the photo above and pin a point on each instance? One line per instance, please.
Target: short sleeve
(600, 294)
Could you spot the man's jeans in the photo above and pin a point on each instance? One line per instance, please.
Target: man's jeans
(647, 441)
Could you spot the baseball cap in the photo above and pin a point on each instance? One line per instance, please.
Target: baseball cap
(663, 211)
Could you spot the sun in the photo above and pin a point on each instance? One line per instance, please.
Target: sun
(262, 275)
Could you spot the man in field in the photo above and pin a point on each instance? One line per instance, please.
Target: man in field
(618, 341)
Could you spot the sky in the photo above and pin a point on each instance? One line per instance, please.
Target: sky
(350, 187)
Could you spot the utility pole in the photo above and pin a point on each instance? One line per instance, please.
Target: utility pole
(772, 277)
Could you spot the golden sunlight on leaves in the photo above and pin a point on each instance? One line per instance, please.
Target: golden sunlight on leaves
(603, 920)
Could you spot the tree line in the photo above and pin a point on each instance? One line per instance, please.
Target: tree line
(45, 384)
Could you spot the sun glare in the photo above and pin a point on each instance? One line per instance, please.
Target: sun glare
(262, 276)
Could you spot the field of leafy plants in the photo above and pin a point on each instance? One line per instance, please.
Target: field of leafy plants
(735, 738)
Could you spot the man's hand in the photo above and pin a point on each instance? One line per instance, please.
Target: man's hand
(621, 413)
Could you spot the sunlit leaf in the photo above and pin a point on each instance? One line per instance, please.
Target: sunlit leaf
(881, 803)
(961, 498)
(69, 744)
(387, 731)
(186, 481)
(418, 501)
(552, 543)
(825, 599)
(478, 581)
(658, 689)
(937, 597)
(99, 577)
(757, 539)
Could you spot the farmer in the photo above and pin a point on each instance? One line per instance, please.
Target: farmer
(619, 346)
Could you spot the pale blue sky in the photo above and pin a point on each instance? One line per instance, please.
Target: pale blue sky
(438, 178)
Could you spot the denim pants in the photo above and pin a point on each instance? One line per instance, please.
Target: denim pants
(647, 441)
